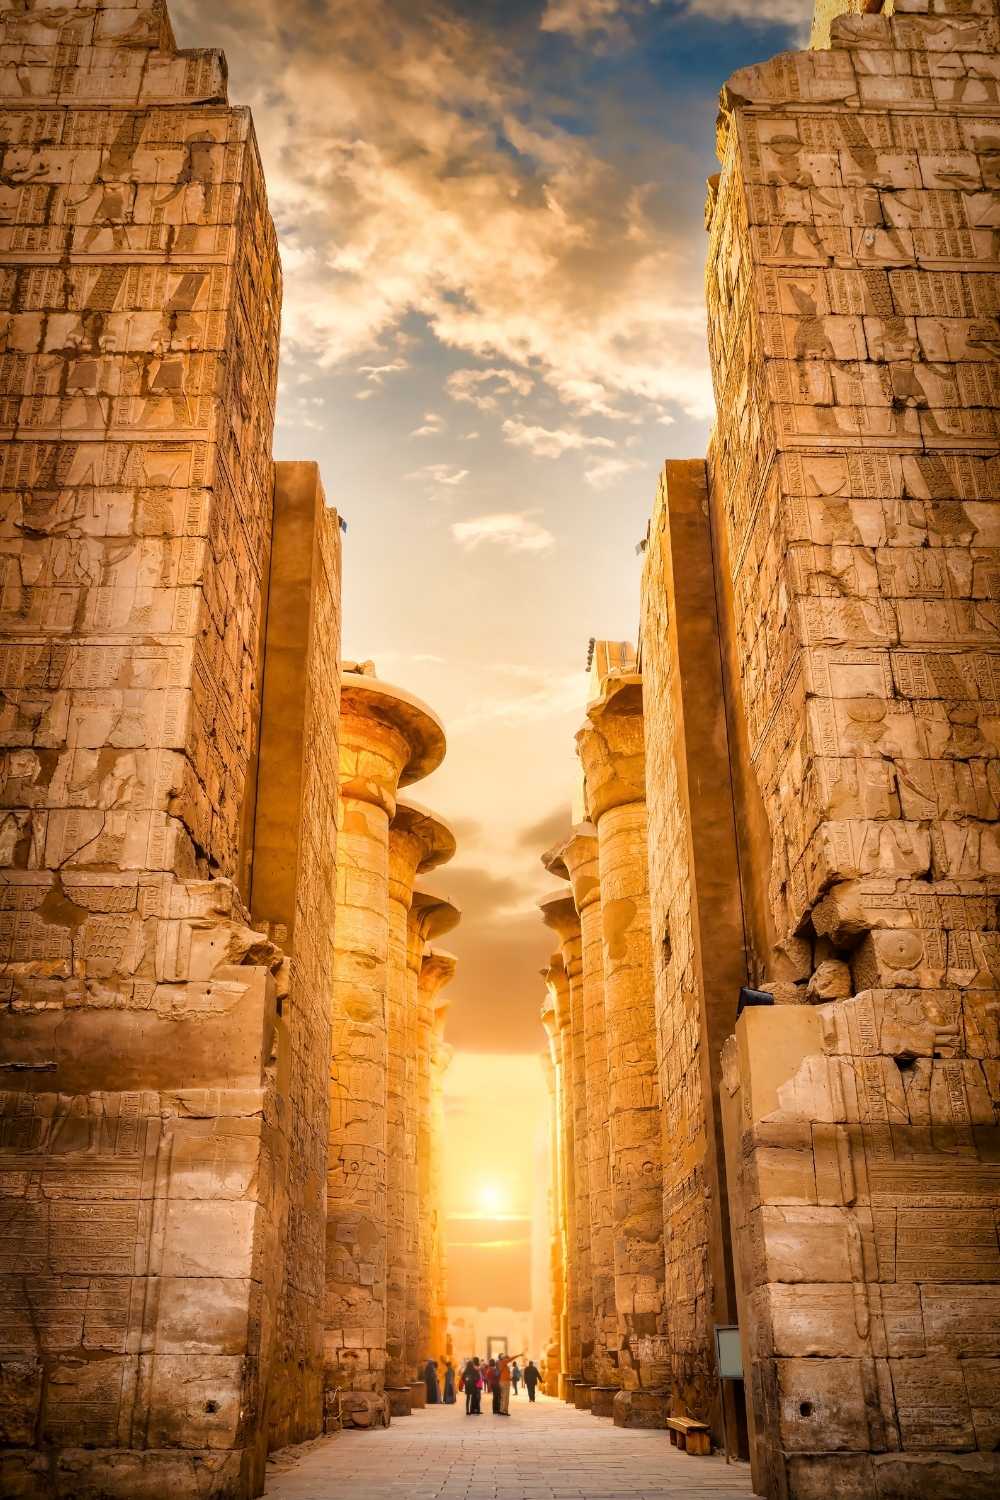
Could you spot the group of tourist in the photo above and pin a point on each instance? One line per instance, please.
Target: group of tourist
(440, 1388)
(498, 1376)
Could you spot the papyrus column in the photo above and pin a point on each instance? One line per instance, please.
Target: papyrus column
(573, 962)
(611, 749)
(418, 842)
(576, 859)
(553, 1361)
(557, 987)
(559, 913)
(388, 739)
(437, 970)
(441, 1055)
(431, 916)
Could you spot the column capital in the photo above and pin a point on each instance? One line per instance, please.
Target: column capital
(418, 841)
(430, 917)
(575, 860)
(388, 740)
(437, 970)
(559, 912)
(611, 745)
(557, 989)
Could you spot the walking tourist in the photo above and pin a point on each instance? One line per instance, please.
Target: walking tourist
(472, 1384)
(449, 1383)
(431, 1382)
(532, 1376)
(515, 1376)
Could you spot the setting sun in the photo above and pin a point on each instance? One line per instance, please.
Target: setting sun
(493, 1199)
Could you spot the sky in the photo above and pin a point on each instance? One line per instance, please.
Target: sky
(490, 215)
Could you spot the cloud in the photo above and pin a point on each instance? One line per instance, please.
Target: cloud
(514, 531)
(792, 13)
(376, 374)
(546, 442)
(582, 18)
(501, 946)
(542, 697)
(471, 385)
(602, 474)
(440, 474)
(414, 177)
(546, 832)
(433, 425)
(587, 20)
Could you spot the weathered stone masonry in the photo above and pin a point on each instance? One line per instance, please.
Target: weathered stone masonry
(853, 297)
(818, 651)
(170, 735)
(140, 1144)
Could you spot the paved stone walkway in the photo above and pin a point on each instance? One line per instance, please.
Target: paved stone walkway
(543, 1452)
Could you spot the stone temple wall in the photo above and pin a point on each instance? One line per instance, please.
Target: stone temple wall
(853, 296)
(143, 1132)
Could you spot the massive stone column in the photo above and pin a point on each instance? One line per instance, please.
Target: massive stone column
(550, 1372)
(437, 970)
(290, 868)
(576, 860)
(697, 924)
(852, 296)
(611, 751)
(566, 921)
(431, 916)
(388, 739)
(141, 1114)
(418, 842)
(558, 1004)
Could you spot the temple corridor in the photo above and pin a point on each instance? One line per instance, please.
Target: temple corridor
(548, 1451)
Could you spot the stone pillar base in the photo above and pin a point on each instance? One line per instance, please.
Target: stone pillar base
(641, 1408)
(400, 1400)
(418, 1395)
(567, 1384)
(355, 1409)
(602, 1400)
(581, 1396)
(563, 1379)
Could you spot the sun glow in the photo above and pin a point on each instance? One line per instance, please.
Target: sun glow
(493, 1199)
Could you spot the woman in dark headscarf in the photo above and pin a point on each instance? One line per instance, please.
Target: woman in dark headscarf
(449, 1383)
(431, 1382)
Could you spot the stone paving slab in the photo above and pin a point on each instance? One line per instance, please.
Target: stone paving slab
(543, 1452)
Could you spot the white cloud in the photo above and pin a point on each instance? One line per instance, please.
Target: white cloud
(483, 388)
(418, 179)
(376, 373)
(433, 424)
(604, 473)
(517, 532)
(440, 474)
(547, 442)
